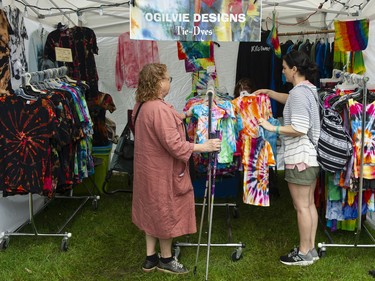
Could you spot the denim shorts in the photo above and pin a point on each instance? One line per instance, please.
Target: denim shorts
(305, 177)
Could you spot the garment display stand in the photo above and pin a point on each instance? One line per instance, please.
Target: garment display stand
(322, 247)
(5, 236)
(208, 201)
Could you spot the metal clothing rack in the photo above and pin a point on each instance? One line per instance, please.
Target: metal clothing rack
(322, 247)
(323, 31)
(208, 201)
(5, 236)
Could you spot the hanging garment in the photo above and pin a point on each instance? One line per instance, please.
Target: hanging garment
(194, 50)
(355, 109)
(131, 56)
(351, 35)
(196, 55)
(17, 43)
(222, 117)
(5, 31)
(37, 61)
(256, 153)
(356, 63)
(273, 39)
(98, 108)
(26, 130)
(82, 42)
(257, 61)
(200, 81)
(256, 171)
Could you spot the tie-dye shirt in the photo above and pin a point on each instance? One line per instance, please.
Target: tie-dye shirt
(257, 155)
(256, 171)
(355, 109)
(222, 120)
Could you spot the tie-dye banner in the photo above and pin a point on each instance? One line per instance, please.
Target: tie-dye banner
(196, 20)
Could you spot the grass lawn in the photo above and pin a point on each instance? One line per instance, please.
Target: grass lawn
(106, 246)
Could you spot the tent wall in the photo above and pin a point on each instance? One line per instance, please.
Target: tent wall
(225, 58)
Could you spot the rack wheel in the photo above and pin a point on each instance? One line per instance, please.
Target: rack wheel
(322, 252)
(176, 251)
(94, 204)
(64, 244)
(237, 254)
(4, 243)
(235, 213)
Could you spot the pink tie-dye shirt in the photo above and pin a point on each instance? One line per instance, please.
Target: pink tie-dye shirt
(132, 55)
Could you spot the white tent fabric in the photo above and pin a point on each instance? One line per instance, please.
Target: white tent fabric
(112, 16)
(114, 21)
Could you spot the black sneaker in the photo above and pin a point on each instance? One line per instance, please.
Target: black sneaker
(295, 258)
(149, 266)
(314, 253)
(173, 267)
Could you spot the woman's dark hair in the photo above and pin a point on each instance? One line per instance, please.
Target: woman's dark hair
(244, 84)
(303, 64)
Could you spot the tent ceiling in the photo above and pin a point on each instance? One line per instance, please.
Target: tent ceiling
(310, 14)
(112, 16)
(100, 15)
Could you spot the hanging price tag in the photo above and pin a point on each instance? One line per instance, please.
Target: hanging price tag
(63, 54)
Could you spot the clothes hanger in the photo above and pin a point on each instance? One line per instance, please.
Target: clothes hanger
(21, 93)
(336, 78)
(61, 26)
(26, 85)
(63, 73)
(246, 94)
(347, 85)
(338, 104)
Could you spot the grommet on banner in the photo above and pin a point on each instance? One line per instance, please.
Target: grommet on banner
(132, 2)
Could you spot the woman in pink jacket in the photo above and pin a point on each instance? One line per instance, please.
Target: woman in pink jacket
(163, 198)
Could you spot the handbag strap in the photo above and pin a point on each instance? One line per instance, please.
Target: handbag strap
(317, 101)
(135, 117)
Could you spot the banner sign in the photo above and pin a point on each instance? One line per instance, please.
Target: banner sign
(196, 20)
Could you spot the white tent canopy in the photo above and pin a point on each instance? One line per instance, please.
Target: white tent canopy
(112, 16)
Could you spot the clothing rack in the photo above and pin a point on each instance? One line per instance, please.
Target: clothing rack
(324, 31)
(208, 200)
(362, 82)
(27, 78)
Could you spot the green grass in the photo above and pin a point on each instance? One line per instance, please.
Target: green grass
(106, 246)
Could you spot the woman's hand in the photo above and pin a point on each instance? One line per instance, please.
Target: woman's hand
(267, 92)
(212, 145)
(280, 97)
(208, 146)
(266, 125)
(187, 114)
